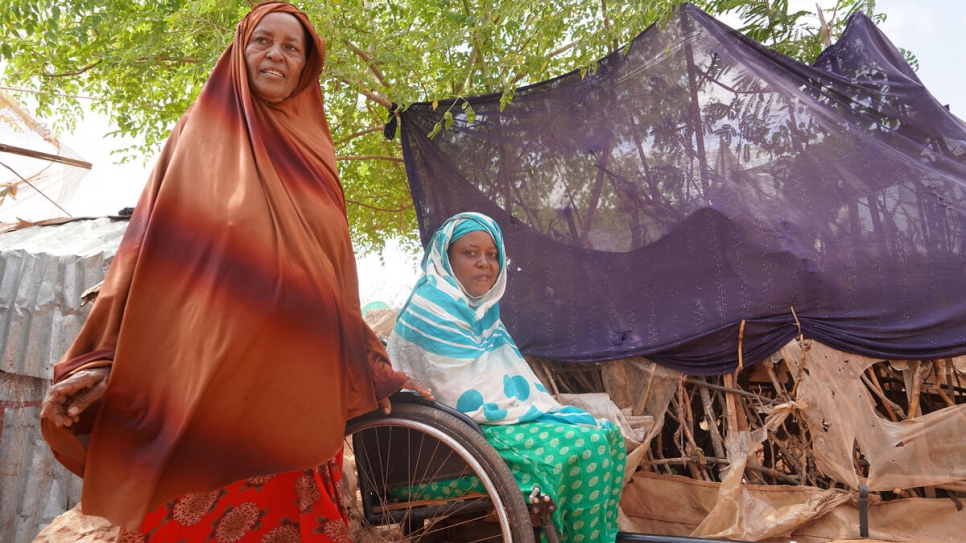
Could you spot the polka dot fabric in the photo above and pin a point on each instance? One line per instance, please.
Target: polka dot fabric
(581, 467)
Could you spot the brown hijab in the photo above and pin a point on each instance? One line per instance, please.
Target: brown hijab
(231, 311)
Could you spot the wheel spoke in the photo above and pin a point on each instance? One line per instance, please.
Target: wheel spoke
(413, 467)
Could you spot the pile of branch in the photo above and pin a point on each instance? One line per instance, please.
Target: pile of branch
(703, 411)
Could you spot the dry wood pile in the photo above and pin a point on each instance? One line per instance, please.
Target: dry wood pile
(700, 413)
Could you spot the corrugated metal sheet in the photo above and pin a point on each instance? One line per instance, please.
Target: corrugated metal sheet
(43, 271)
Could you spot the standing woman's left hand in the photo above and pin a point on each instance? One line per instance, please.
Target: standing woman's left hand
(66, 400)
(411, 384)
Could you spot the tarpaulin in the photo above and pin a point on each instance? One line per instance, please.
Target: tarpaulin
(699, 199)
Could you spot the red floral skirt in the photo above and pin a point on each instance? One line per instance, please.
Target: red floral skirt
(291, 507)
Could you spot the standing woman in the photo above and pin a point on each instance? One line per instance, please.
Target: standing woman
(209, 388)
(450, 337)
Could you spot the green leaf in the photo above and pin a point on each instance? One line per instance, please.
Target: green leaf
(145, 62)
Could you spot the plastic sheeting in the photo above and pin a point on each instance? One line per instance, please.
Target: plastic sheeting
(840, 412)
(739, 514)
(928, 450)
(675, 505)
(699, 199)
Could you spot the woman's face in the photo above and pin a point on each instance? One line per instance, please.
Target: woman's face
(475, 262)
(275, 56)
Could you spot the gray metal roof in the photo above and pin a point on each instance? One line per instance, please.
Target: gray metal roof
(43, 271)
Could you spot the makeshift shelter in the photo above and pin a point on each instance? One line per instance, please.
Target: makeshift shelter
(38, 173)
(793, 233)
(44, 270)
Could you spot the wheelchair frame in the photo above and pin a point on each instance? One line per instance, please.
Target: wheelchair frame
(421, 443)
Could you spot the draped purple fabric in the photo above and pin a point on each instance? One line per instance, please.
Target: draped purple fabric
(700, 195)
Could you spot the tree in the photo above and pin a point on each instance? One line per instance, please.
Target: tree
(142, 62)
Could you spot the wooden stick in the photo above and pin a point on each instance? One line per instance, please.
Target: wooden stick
(788, 457)
(711, 460)
(769, 367)
(956, 372)
(701, 468)
(741, 339)
(684, 435)
(679, 415)
(550, 379)
(598, 379)
(738, 391)
(660, 449)
(938, 389)
(798, 324)
(641, 404)
(873, 384)
(735, 423)
(712, 421)
(748, 415)
(916, 379)
(582, 380)
(647, 461)
(948, 370)
(891, 373)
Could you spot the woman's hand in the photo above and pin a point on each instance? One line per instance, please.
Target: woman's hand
(411, 384)
(66, 400)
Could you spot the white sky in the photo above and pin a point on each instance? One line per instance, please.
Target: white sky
(931, 29)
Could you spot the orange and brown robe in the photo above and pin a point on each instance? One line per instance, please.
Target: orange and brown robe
(230, 316)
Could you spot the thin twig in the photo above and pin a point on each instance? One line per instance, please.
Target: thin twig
(711, 420)
(732, 390)
(741, 340)
(915, 376)
(891, 408)
(712, 460)
(368, 157)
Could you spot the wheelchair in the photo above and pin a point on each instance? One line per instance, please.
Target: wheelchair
(425, 473)
(392, 463)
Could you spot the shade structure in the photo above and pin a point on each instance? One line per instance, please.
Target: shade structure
(700, 200)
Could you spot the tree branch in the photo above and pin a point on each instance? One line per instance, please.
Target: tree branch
(357, 134)
(603, 8)
(469, 71)
(369, 157)
(170, 59)
(563, 49)
(58, 94)
(369, 63)
(381, 100)
(478, 48)
(377, 208)
(552, 54)
(77, 72)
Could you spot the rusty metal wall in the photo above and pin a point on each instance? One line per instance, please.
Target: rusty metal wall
(43, 271)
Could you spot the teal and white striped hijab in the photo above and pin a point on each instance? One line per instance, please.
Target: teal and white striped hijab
(456, 344)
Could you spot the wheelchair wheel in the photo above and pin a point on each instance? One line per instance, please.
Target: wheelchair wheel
(424, 475)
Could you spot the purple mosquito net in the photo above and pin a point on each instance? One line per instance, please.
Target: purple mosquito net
(700, 196)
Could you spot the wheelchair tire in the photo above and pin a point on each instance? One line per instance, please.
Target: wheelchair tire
(417, 443)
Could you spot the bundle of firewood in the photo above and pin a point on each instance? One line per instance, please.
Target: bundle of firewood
(699, 413)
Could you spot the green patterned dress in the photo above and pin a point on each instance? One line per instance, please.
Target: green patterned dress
(580, 467)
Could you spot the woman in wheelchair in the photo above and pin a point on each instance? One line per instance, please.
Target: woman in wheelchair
(449, 337)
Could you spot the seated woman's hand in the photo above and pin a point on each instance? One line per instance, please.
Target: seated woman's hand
(411, 384)
(66, 400)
